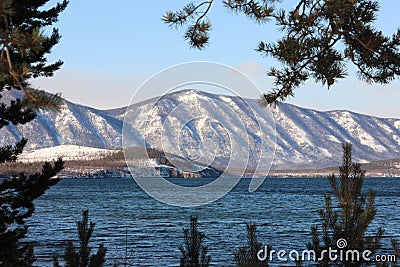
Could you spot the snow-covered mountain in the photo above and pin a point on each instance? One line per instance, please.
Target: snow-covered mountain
(73, 125)
(220, 125)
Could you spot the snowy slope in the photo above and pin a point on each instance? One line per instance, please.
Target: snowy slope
(73, 125)
(67, 152)
(304, 137)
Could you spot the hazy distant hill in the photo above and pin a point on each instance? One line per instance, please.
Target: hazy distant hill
(305, 138)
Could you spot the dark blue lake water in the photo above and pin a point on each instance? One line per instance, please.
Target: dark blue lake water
(283, 209)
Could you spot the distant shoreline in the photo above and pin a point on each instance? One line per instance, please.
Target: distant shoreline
(116, 166)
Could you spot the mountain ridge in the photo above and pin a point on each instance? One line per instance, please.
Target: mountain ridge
(305, 138)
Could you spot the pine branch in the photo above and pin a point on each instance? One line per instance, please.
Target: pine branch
(320, 39)
(259, 11)
(197, 33)
(10, 153)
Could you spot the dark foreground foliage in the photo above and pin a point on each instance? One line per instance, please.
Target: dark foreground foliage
(24, 48)
(81, 256)
(194, 254)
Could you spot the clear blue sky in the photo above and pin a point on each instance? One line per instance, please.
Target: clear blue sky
(111, 48)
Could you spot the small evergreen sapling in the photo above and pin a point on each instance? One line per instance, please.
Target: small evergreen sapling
(348, 219)
(396, 250)
(80, 257)
(194, 254)
(246, 256)
(392, 262)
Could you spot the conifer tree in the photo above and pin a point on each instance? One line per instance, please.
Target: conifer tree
(23, 56)
(396, 250)
(24, 48)
(320, 38)
(16, 205)
(81, 257)
(246, 256)
(393, 262)
(346, 219)
(194, 254)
